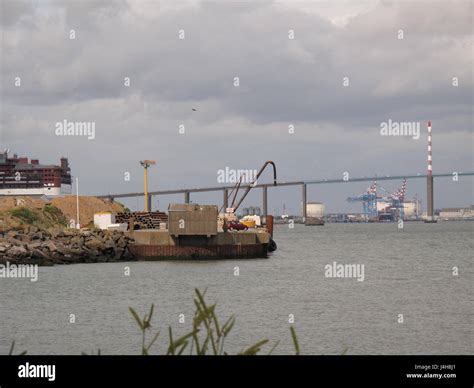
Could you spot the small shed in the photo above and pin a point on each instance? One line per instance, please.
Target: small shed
(192, 219)
(102, 220)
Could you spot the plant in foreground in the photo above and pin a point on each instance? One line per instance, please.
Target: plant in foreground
(10, 353)
(207, 335)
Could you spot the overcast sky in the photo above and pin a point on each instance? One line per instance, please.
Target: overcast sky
(405, 61)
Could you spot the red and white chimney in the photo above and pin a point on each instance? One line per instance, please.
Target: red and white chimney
(430, 157)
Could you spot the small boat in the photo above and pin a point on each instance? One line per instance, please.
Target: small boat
(310, 221)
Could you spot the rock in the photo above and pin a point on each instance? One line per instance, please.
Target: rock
(61, 249)
(109, 244)
(119, 253)
(33, 245)
(12, 234)
(51, 246)
(71, 259)
(16, 241)
(94, 244)
(37, 236)
(64, 246)
(77, 240)
(127, 255)
(57, 257)
(122, 243)
(56, 232)
(70, 232)
(17, 251)
(37, 254)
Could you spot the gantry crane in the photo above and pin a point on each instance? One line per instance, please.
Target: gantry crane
(369, 201)
(398, 199)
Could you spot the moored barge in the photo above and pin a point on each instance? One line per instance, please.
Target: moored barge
(197, 232)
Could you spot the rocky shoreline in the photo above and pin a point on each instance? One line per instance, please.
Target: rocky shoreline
(63, 246)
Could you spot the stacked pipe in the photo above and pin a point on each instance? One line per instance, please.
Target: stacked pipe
(145, 220)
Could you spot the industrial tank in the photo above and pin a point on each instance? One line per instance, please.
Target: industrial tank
(315, 209)
(411, 208)
(383, 206)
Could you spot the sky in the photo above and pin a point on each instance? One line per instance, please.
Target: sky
(305, 84)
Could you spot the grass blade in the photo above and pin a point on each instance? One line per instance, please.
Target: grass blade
(182, 348)
(254, 349)
(171, 346)
(228, 325)
(147, 320)
(137, 318)
(295, 340)
(273, 348)
(152, 341)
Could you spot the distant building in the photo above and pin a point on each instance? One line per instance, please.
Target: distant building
(19, 176)
(412, 209)
(251, 211)
(457, 213)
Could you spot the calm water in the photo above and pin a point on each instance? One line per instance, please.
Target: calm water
(407, 272)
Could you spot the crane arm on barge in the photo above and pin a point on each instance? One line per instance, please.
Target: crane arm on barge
(230, 213)
(249, 187)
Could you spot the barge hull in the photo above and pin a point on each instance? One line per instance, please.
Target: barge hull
(167, 252)
(163, 245)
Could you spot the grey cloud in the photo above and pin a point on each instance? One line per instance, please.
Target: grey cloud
(280, 78)
(13, 10)
(282, 81)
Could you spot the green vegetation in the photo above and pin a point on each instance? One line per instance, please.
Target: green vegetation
(52, 210)
(10, 353)
(49, 216)
(55, 215)
(207, 335)
(295, 340)
(24, 214)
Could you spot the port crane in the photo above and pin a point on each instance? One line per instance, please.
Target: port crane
(369, 201)
(396, 200)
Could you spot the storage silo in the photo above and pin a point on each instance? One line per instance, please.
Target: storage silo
(315, 209)
(411, 209)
